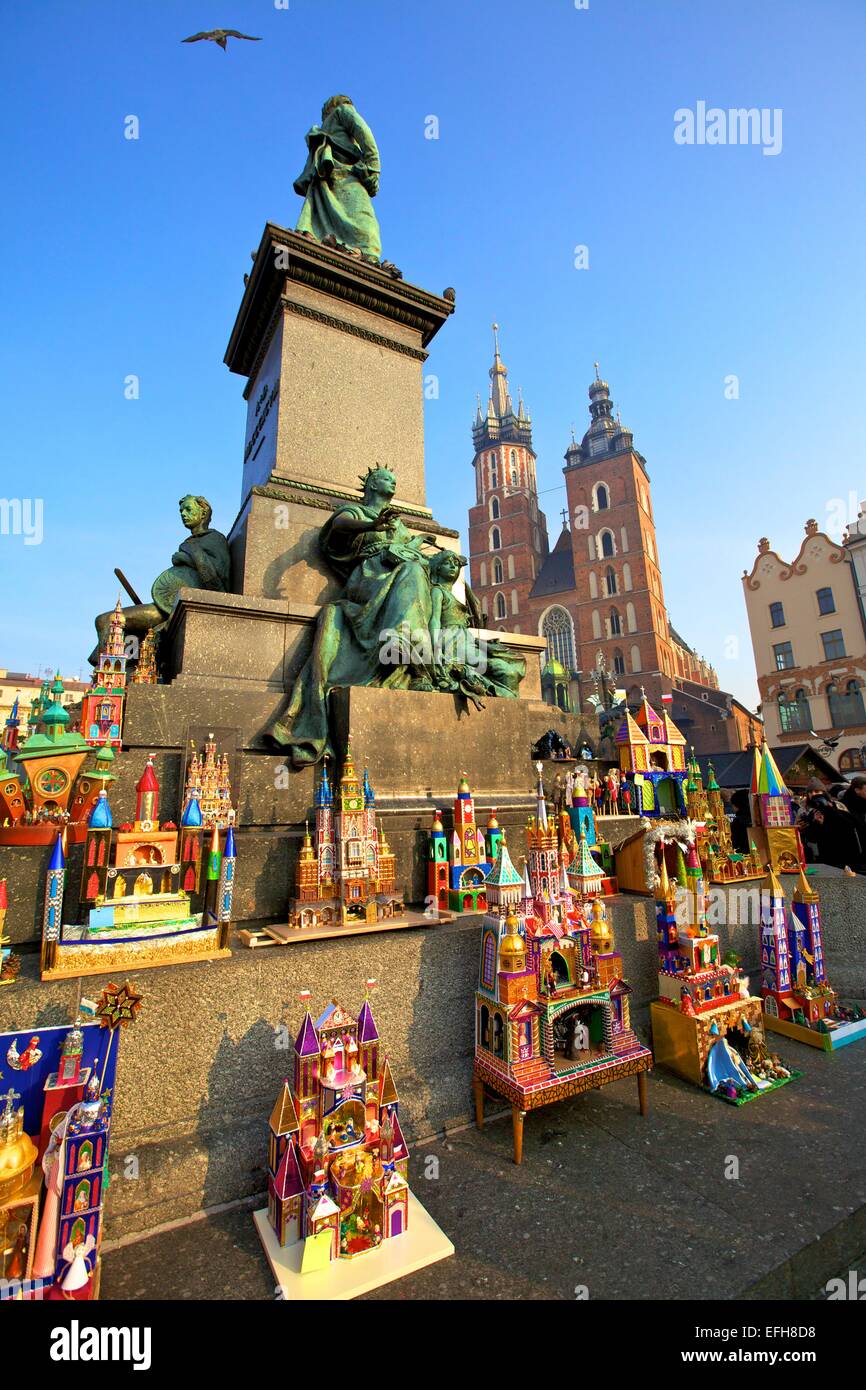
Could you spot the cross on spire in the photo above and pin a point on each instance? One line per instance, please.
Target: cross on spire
(597, 372)
(564, 515)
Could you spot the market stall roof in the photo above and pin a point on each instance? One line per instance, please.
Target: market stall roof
(735, 769)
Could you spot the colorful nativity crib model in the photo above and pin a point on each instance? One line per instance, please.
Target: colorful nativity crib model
(340, 1217)
(458, 864)
(799, 1000)
(51, 780)
(706, 1025)
(652, 762)
(348, 877)
(139, 880)
(551, 1008)
(55, 1123)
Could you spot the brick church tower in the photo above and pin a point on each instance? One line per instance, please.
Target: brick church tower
(507, 532)
(618, 604)
(597, 596)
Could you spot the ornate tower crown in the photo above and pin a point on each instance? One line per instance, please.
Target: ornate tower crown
(499, 423)
(606, 433)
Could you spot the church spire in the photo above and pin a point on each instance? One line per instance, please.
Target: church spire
(500, 396)
(497, 423)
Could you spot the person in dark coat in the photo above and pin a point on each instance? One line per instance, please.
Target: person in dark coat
(832, 829)
(854, 798)
(740, 821)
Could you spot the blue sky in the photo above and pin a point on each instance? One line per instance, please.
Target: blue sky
(555, 130)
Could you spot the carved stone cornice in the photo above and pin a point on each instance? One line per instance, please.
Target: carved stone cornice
(344, 326)
(334, 273)
(302, 494)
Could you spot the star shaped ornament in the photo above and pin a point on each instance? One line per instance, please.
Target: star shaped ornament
(118, 1006)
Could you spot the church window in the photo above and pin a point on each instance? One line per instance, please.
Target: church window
(501, 611)
(558, 631)
(495, 539)
(497, 571)
(610, 580)
(494, 509)
(601, 498)
(608, 546)
(488, 966)
(494, 472)
(618, 663)
(484, 1021)
(615, 624)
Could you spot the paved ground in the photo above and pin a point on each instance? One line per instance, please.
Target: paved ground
(699, 1199)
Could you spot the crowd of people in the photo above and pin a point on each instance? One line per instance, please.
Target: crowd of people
(831, 821)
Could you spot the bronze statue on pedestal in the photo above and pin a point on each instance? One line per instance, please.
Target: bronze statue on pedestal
(201, 561)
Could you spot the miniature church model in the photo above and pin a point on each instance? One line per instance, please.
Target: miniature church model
(44, 785)
(652, 761)
(773, 830)
(706, 1024)
(349, 874)
(706, 810)
(102, 704)
(337, 1159)
(208, 781)
(551, 1006)
(457, 865)
(799, 1000)
(140, 914)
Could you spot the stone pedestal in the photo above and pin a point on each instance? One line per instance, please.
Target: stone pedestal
(333, 352)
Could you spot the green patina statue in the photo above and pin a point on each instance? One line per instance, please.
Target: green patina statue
(201, 561)
(397, 623)
(339, 179)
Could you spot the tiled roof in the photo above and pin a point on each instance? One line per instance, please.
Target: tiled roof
(556, 575)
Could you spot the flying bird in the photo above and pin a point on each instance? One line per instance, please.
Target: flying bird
(220, 36)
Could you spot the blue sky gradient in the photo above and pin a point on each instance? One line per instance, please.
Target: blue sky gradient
(556, 129)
